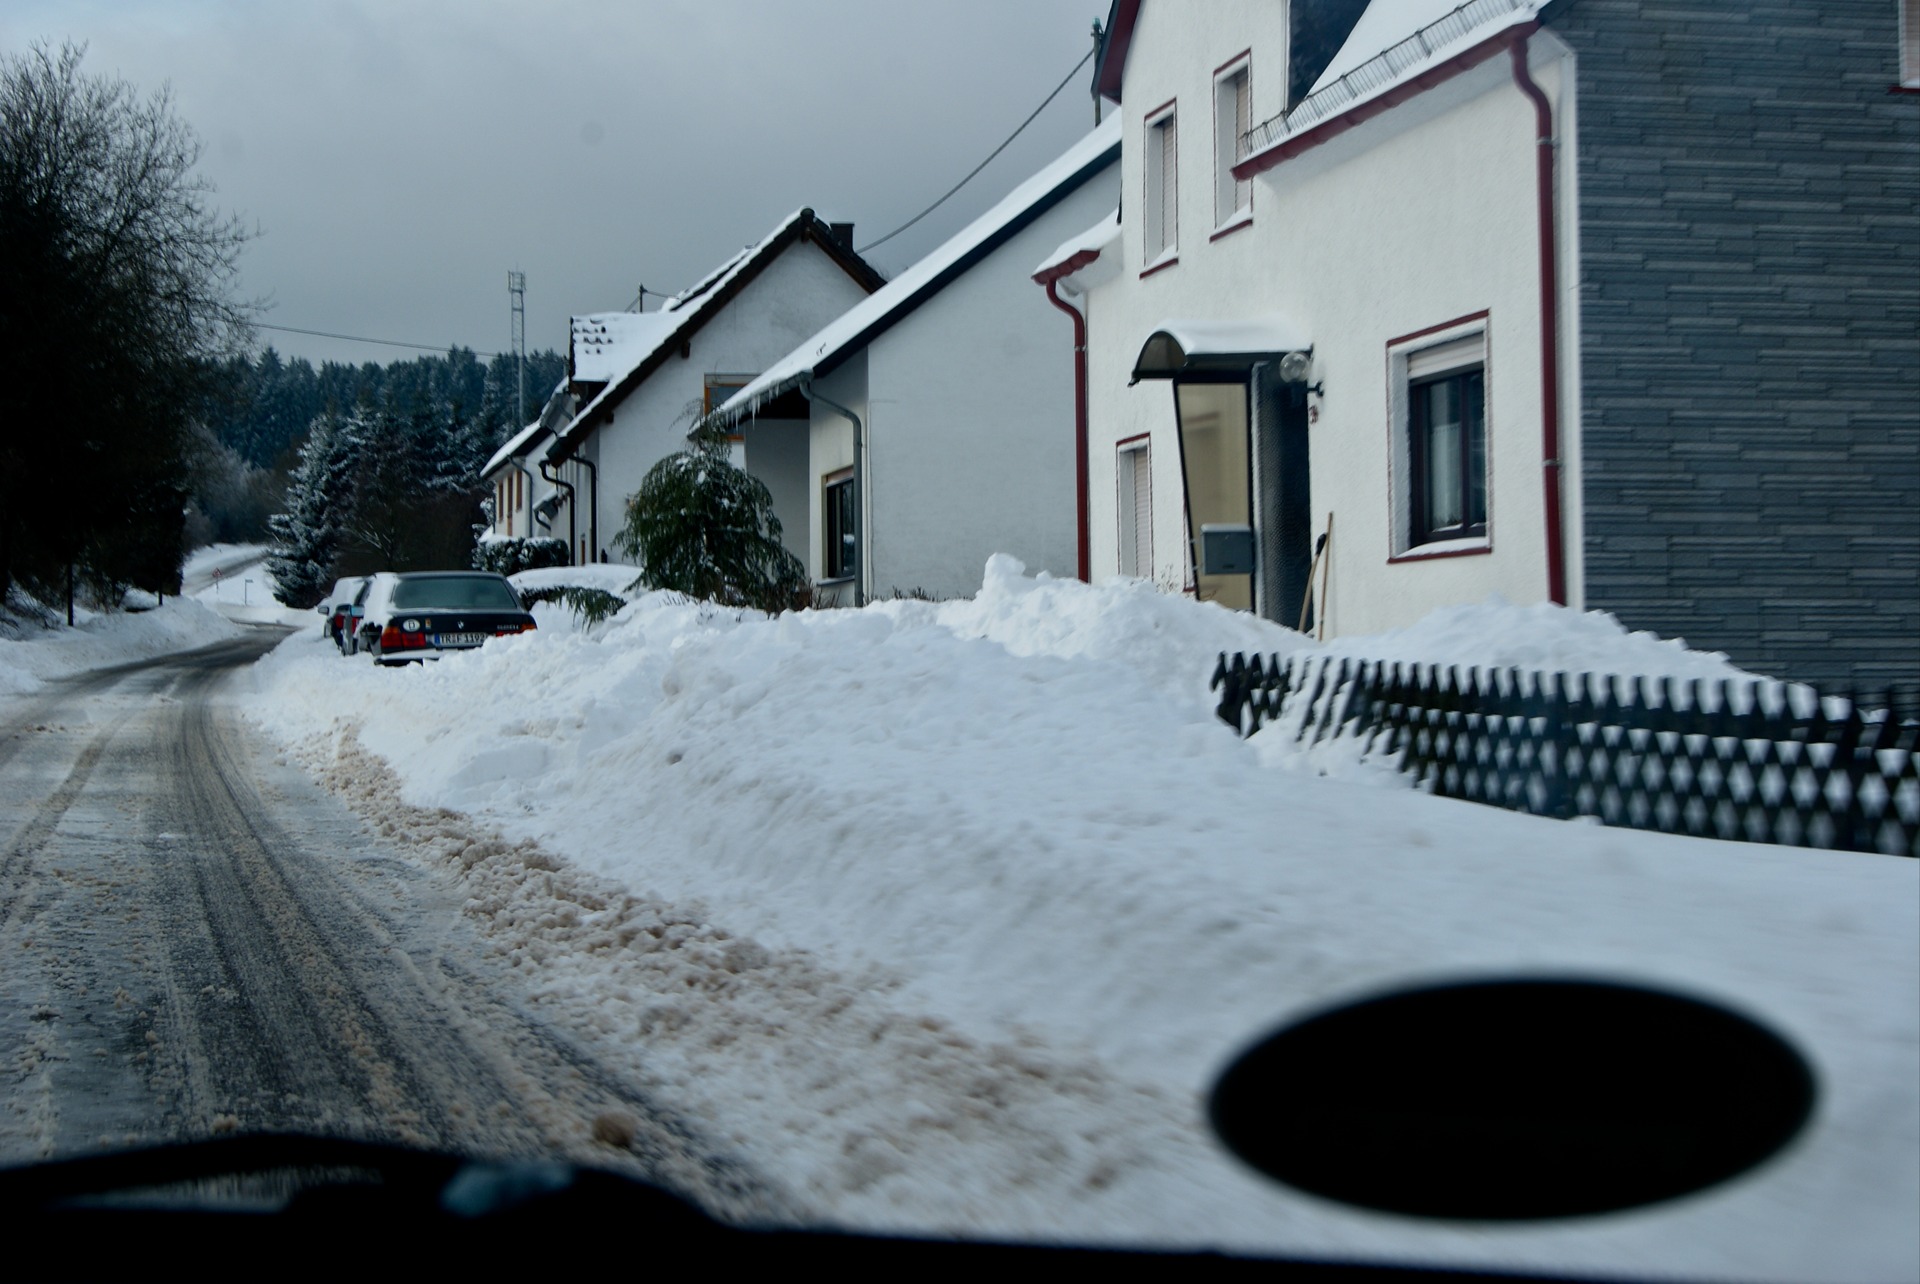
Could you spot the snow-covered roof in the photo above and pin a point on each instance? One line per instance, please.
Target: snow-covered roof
(864, 321)
(1081, 262)
(1175, 346)
(1093, 241)
(516, 446)
(605, 344)
(682, 314)
(1393, 42)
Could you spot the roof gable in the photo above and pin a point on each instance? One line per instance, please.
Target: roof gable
(880, 312)
(688, 313)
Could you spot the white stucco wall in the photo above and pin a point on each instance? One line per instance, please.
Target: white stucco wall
(1422, 217)
(516, 519)
(970, 420)
(778, 453)
(830, 449)
(794, 296)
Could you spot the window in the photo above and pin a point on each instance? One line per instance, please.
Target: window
(1449, 450)
(1163, 190)
(719, 387)
(1910, 44)
(1440, 471)
(1135, 501)
(841, 554)
(1232, 112)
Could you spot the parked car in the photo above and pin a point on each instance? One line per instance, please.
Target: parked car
(423, 614)
(357, 610)
(338, 609)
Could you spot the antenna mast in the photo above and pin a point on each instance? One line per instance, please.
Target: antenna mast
(517, 307)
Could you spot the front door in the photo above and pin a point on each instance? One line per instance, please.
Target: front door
(1216, 463)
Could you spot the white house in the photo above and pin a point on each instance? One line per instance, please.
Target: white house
(1351, 339)
(937, 415)
(524, 501)
(642, 380)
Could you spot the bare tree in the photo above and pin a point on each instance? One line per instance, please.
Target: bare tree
(119, 297)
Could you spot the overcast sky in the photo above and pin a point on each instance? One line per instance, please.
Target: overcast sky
(399, 156)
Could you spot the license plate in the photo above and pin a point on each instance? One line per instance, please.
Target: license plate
(459, 639)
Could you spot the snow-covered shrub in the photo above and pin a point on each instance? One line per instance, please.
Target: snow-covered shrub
(516, 553)
(589, 605)
(700, 526)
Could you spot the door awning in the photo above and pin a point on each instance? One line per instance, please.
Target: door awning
(1177, 348)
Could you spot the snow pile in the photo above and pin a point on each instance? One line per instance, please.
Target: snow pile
(1497, 634)
(611, 577)
(1170, 643)
(1013, 825)
(32, 655)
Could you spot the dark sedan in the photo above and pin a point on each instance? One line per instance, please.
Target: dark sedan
(421, 615)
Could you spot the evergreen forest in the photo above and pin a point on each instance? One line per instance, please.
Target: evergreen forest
(350, 469)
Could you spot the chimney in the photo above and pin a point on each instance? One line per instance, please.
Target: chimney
(842, 233)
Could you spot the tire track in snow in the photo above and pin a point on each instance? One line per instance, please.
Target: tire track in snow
(215, 945)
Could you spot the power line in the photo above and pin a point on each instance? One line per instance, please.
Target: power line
(361, 338)
(983, 164)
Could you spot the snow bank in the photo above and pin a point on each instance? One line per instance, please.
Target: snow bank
(1497, 634)
(1016, 818)
(612, 577)
(32, 655)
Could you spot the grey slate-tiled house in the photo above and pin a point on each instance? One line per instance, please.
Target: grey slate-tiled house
(1749, 266)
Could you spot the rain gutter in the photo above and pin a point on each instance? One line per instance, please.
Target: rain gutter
(1544, 144)
(1083, 526)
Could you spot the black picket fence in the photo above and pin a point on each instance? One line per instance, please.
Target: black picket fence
(1751, 761)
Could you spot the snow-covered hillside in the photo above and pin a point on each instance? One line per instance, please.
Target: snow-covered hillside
(968, 902)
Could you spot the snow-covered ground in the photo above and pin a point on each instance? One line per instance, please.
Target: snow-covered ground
(232, 580)
(948, 913)
(31, 655)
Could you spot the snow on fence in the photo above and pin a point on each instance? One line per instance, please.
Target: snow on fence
(1748, 761)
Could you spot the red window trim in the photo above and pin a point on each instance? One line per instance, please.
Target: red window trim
(1231, 228)
(1127, 441)
(1225, 69)
(1147, 122)
(1485, 317)
(1470, 317)
(1161, 266)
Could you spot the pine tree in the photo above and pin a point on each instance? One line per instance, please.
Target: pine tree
(700, 526)
(307, 536)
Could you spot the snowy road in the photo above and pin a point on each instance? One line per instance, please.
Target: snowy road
(198, 940)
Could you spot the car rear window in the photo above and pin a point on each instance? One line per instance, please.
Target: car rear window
(458, 592)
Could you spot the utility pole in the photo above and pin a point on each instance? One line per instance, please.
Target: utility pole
(517, 306)
(1097, 33)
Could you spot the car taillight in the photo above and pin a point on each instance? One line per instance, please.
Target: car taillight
(392, 638)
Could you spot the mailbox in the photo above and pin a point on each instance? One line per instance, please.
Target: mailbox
(1226, 549)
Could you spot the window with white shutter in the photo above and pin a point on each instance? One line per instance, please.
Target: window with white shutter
(1232, 117)
(1163, 188)
(1136, 509)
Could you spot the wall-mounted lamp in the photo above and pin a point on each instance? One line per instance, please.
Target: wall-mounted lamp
(1297, 367)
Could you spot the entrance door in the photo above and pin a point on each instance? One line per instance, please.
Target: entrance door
(1215, 460)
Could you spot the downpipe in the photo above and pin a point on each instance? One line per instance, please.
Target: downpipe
(861, 549)
(1082, 521)
(573, 527)
(1551, 469)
